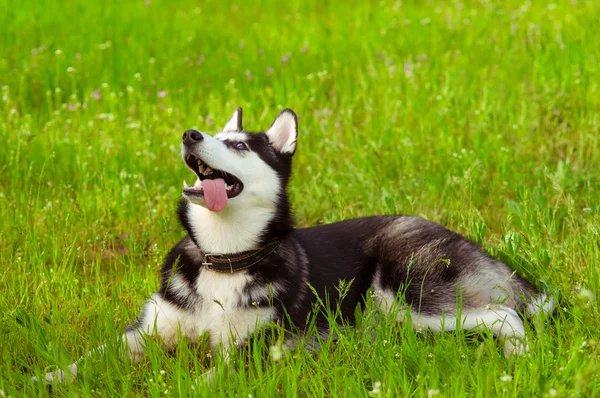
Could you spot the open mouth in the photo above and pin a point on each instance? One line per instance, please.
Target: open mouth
(213, 182)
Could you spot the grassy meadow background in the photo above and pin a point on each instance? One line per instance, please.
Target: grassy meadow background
(483, 116)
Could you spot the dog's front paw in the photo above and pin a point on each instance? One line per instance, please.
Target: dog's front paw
(60, 376)
(515, 346)
(207, 378)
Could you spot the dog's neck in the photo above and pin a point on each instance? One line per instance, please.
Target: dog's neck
(232, 230)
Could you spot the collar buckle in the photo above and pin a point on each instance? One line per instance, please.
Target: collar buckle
(206, 262)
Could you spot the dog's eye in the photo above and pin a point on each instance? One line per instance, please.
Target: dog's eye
(241, 146)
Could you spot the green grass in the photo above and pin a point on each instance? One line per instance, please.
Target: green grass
(482, 116)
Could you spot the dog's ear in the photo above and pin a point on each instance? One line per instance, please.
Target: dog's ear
(283, 132)
(235, 122)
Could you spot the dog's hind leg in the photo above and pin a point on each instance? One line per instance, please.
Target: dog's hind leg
(502, 321)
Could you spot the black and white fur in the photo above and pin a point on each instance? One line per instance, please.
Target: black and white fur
(406, 261)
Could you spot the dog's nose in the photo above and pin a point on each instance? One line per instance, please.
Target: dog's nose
(191, 137)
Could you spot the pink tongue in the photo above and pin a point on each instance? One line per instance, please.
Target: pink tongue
(215, 195)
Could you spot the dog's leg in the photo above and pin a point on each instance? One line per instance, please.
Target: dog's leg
(502, 321)
(132, 338)
(158, 316)
(244, 348)
(207, 378)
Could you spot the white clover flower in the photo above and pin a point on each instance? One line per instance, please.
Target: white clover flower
(376, 389)
(276, 352)
(505, 378)
(586, 295)
(432, 393)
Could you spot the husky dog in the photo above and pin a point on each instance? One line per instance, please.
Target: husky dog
(242, 263)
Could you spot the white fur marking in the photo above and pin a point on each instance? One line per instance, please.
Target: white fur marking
(217, 313)
(221, 314)
(162, 318)
(231, 136)
(232, 230)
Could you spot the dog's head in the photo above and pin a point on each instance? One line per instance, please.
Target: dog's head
(238, 168)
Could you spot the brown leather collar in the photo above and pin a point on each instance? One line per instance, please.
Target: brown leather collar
(230, 263)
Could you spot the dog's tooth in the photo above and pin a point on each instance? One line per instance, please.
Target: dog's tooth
(201, 168)
(185, 185)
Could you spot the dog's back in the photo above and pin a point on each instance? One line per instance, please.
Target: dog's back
(423, 265)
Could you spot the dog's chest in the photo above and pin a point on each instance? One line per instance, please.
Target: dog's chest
(222, 309)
